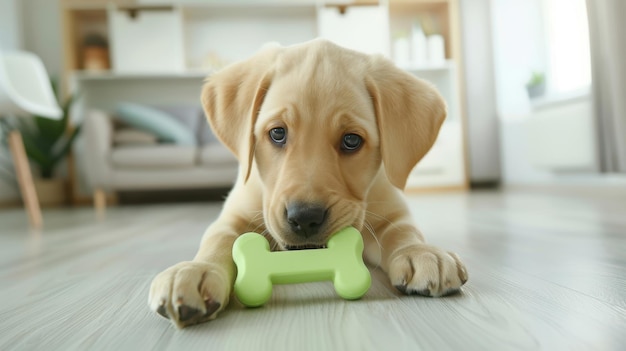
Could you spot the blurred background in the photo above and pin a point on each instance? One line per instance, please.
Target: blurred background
(535, 89)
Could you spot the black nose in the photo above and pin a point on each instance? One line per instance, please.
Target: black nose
(305, 219)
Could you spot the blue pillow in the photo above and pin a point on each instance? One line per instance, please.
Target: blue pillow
(159, 123)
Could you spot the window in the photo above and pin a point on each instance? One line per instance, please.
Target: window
(567, 34)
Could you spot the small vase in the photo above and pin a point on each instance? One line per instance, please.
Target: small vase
(535, 91)
(95, 58)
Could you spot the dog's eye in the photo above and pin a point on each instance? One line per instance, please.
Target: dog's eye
(351, 142)
(278, 135)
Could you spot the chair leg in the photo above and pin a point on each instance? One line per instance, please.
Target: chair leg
(99, 202)
(25, 179)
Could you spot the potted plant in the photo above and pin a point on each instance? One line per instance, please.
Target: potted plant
(536, 85)
(47, 142)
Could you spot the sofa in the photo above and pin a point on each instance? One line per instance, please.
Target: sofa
(122, 154)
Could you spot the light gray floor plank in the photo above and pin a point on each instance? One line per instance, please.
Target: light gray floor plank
(546, 272)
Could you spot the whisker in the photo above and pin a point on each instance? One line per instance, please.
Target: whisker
(257, 228)
(274, 246)
(265, 233)
(370, 230)
(393, 224)
(273, 242)
(257, 217)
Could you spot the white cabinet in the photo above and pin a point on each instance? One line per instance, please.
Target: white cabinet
(146, 41)
(219, 34)
(444, 164)
(361, 28)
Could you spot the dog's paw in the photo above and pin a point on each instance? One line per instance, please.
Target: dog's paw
(427, 271)
(189, 293)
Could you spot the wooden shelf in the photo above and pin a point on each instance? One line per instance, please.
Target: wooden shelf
(93, 4)
(248, 4)
(201, 74)
(213, 4)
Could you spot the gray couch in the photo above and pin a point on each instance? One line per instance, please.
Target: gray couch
(114, 165)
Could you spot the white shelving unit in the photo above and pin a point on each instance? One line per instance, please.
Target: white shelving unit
(221, 31)
(444, 165)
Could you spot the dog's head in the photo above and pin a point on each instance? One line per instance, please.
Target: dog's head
(321, 124)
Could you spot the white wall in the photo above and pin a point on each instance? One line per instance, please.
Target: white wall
(482, 117)
(10, 34)
(42, 32)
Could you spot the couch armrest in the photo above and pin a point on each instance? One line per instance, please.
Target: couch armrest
(98, 134)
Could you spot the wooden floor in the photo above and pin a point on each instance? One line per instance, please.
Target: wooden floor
(546, 272)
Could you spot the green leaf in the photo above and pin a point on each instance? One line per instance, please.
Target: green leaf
(37, 147)
(65, 149)
(50, 130)
(67, 105)
(34, 152)
(54, 82)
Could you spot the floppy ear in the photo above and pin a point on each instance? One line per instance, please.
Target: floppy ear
(231, 99)
(409, 113)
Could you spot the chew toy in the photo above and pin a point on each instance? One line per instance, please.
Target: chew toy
(258, 268)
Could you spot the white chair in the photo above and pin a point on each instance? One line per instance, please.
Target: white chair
(25, 89)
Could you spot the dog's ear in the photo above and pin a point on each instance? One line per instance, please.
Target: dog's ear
(409, 113)
(231, 99)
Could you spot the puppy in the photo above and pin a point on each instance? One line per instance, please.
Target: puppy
(326, 138)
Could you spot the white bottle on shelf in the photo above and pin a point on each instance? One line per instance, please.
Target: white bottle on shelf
(419, 46)
(436, 49)
(401, 51)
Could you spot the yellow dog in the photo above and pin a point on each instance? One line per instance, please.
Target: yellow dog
(326, 138)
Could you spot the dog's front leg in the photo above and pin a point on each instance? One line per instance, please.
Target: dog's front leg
(196, 291)
(413, 266)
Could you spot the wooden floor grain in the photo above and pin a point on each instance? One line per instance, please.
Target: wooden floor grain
(546, 272)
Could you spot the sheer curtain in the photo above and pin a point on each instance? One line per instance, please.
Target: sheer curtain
(607, 27)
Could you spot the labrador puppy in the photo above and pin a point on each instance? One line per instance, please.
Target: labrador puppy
(326, 138)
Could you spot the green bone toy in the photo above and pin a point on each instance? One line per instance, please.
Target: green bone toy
(258, 268)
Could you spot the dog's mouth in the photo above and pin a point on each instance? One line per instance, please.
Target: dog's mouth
(304, 246)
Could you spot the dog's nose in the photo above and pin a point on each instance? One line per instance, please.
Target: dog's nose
(305, 219)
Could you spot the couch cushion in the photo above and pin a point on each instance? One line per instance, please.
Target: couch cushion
(155, 156)
(131, 136)
(163, 125)
(216, 154)
(189, 115)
